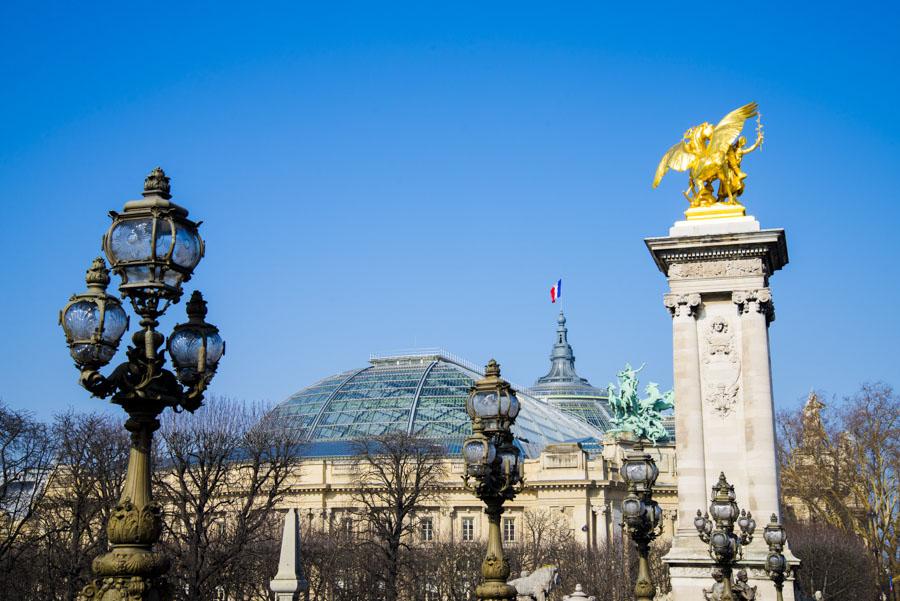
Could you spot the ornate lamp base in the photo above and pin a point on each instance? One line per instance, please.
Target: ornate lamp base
(126, 588)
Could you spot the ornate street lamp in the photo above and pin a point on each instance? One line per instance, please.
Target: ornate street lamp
(495, 464)
(725, 547)
(641, 514)
(776, 564)
(154, 249)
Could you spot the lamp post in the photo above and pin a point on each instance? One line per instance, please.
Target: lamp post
(641, 514)
(776, 565)
(153, 247)
(725, 547)
(495, 464)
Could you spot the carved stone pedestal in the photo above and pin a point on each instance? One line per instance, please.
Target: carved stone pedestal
(721, 306)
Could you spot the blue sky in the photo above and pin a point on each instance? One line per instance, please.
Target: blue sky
(374, 177)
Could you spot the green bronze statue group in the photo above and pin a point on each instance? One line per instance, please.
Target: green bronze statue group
(643, 417)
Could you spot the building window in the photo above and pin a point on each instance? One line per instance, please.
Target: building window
(426, 528)
(468, 529)
(509, 530)
(347, 527)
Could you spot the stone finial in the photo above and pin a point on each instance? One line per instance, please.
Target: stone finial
(157, 184)
(578, 595)
(289, 581)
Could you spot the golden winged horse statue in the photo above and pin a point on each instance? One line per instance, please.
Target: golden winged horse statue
(713, 153)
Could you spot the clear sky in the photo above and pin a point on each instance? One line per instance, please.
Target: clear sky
(384, 176)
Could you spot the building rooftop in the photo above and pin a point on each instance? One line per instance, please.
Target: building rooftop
(420, 392)
(562, 387)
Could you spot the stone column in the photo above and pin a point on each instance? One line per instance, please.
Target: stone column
(718, 274)
(690, 450)
(755, 307)
(289, 583)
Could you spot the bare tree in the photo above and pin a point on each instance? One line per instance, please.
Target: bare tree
(92, 451)
(397, 474)
(545, 533)
(222, 471)
(835, 562)
(843, 468)
(871, 421)
(26, 458)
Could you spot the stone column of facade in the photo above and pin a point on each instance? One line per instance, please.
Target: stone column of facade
(690, 450)
(718, 273)
(755, 307)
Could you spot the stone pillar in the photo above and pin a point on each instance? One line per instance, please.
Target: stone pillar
(763, 494)
(690, 450)
(289, 582)
(718, 273)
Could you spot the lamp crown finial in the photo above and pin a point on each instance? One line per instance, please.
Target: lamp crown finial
(196, 307)
(157, 184)
(492, 368)
(97, 274)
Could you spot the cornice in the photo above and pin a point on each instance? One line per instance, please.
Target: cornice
(769, 245)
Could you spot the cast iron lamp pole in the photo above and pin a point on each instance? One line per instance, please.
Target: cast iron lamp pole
(725, 547)
(641, 514)
(154, 248)
(494, 462)
(776, 564)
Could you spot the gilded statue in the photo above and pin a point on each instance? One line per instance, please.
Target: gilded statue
(713, 154)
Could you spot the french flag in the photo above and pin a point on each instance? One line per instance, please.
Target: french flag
(556, 291)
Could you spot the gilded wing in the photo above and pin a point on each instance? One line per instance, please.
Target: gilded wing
(677, 158)
(729, 128)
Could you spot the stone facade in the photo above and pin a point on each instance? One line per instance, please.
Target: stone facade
(721, 307)
(585, 491)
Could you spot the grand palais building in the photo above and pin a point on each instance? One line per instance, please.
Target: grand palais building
(572, 459)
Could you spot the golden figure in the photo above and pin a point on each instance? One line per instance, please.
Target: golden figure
(713, 154)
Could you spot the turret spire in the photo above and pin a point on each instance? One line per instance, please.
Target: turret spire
(562, 359)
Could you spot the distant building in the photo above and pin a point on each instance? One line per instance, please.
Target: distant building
(571, 467)
(565, 389)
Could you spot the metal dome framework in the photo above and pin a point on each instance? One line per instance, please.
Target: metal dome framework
(421, 392)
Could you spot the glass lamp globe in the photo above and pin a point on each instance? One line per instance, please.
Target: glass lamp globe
(152, 245)
(94, 321)
(700, 522)
(478, 450)
(775, 562)
(196, 346)
(774, 533)
(723, 507)
(640, 471)
(632, 508)
(493, 401)
(509, 461)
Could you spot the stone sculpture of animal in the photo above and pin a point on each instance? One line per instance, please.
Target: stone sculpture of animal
(538, 585)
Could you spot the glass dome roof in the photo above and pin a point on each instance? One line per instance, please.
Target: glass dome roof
(419, 393)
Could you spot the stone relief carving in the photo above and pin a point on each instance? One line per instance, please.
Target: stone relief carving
(713, 269)
(720, 342)
(721, 366)
(723, 398)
